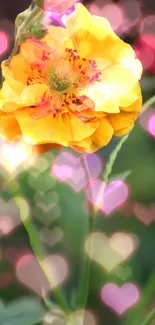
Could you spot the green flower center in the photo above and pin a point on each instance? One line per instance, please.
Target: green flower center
(57, 82)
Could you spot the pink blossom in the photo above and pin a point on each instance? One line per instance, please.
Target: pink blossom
(59, 6)
(145, 51)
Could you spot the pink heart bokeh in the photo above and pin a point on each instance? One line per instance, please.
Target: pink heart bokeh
(12, 254)
(120, 299)
(10, 214)
(145, 214)
(122, 16)
(70, 169)
(147, 121)
(30, 273)
(107, 197)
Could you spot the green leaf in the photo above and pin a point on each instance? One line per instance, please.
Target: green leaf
(73, 299)
(24, 311)
(49, 304)
(122, 176)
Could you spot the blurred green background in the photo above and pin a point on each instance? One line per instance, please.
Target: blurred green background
(137, 155)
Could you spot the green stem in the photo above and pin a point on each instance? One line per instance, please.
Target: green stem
(149, 289)
(26, 22)
(149, 318)
(148, 103)
(86, 271)
(84, 290)
(113, 157)
(92, 212)
(136, 316)
(37, 246)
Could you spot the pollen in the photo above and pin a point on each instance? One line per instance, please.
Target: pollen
(56, 81)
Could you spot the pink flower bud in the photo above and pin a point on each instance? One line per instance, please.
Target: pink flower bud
(59, 6)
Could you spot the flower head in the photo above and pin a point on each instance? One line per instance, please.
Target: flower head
(77, 87)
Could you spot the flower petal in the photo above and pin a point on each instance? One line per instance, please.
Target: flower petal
(12, 87)
(79, 130)
(31, 52)
(10, 78)
(78, 19)
(132, 101)
(121, 81)
(78, 25)
(108, 45)
(20, 68)
(94, 38)
(43, 130)
(123, 122)
(34, 51)
(82, 146)
(39, 148)
(9, 98)
(33, 94)
(103, 135)
(57, 38)
(102, 95)
(9, 127)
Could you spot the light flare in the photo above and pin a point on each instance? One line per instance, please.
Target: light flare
(151, 125)
(13, 155)
(4, 42)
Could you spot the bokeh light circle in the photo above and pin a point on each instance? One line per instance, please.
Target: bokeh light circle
(151, 125)
(4, 42)
(6, 225)
(148, 25)
(114, 14)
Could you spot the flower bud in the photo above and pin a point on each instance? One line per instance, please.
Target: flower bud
(23, 37)
(57, 6)
(38, 30)
(21, 17)
(39, 3)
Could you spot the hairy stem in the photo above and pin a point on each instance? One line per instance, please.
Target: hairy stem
(84, 290)
(113, 157)
(148, 103)
(149, 318)
(37, 246)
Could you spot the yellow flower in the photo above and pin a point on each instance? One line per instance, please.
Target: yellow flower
(77, 87)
